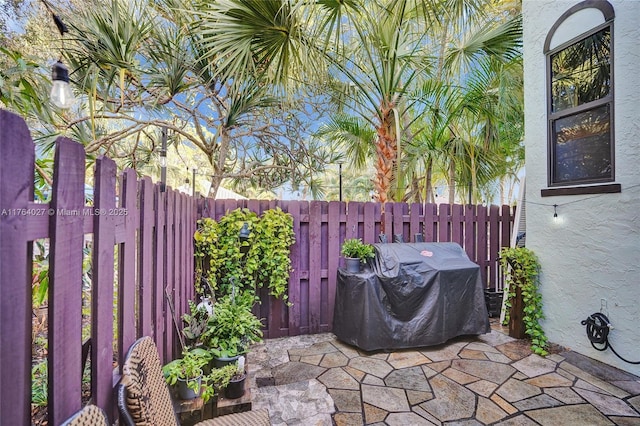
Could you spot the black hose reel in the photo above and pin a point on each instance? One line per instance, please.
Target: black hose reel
(598, 327)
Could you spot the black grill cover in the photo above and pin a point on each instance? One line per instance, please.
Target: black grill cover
(413, 295)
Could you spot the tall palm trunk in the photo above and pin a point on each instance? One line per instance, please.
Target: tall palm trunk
(386, 153)
(429, 198)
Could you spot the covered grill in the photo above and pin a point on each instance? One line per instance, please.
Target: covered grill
(414, 295)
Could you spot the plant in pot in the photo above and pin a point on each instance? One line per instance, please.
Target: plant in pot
(186, 373)
(195, 324)
(235, 387)
(216, 380)
(232, 328)
(356, 253)
(523, 301)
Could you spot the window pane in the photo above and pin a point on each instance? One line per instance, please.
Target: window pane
(581, 72)
(582, 148)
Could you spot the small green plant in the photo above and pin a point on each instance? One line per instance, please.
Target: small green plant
(355, 248)
(218, 379)
(522, 269)
(232, 327)
(39, 384)
(187, 368)
(195, 324)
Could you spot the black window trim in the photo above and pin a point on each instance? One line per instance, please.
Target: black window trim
(576, 187)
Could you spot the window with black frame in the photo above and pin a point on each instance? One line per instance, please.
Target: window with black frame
(580, 111)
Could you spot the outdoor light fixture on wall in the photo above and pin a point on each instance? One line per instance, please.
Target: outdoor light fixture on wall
(61, 94)
(244, 238)
(555, 212)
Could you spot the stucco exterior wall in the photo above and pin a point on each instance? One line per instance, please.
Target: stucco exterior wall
(590, 256)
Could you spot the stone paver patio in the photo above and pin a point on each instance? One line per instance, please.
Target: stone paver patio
(476, 380)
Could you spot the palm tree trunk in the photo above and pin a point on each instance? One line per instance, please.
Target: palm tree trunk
(386, 153)
(429, 198)
(452, 180)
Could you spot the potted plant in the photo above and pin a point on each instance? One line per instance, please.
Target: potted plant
(186, 373)
(523, 300)
(235, 387)
(356, 253)
(195, 324)
(216, 380)
(232, 328)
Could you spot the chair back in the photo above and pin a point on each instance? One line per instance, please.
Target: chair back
(145, 398)
(90, 415)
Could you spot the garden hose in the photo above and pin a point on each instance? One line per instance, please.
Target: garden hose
(598, 327)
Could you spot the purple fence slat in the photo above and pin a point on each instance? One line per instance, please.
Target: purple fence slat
(470, 231)
(444, 223)
(127, 266)
(370, 219)
(145, 264)
(294, 276)
(16, 189)
(169, 289)
(398, 222)
(65, 282)
(430, 223)
(333, 254)
(483, 241)
(457, 224)
(415, 211)
(102, 283)
(158, 273)
(315, 293)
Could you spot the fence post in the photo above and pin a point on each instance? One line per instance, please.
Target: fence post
(102, 284)
(65, 281)
(16, 189)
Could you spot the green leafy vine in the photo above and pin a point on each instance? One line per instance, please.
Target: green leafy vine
(522, 270)
(225, 261)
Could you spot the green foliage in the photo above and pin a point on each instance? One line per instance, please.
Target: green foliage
(271, 248)
(218, 379)
(224, 262)
(39, 384)
(522, 270)
(354, 247)
(195, 324)
(187, 368)
(232, 327)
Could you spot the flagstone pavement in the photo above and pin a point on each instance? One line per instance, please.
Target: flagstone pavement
(476, 380)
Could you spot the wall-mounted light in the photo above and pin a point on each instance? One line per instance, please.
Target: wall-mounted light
(555, 212)
(244, 238)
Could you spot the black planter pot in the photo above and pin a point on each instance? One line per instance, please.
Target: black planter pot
(493, 300)
(222, 361)
(352, 264)
(235, 388)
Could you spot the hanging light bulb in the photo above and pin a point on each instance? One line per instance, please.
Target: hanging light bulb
(61, 94)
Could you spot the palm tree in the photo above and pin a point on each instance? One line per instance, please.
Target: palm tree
(374, 53)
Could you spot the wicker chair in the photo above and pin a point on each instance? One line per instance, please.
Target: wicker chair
(144, 399)
(90, 415)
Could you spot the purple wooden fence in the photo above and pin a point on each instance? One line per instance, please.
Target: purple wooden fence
(151, 232)
(142, 254)
(321, 227)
